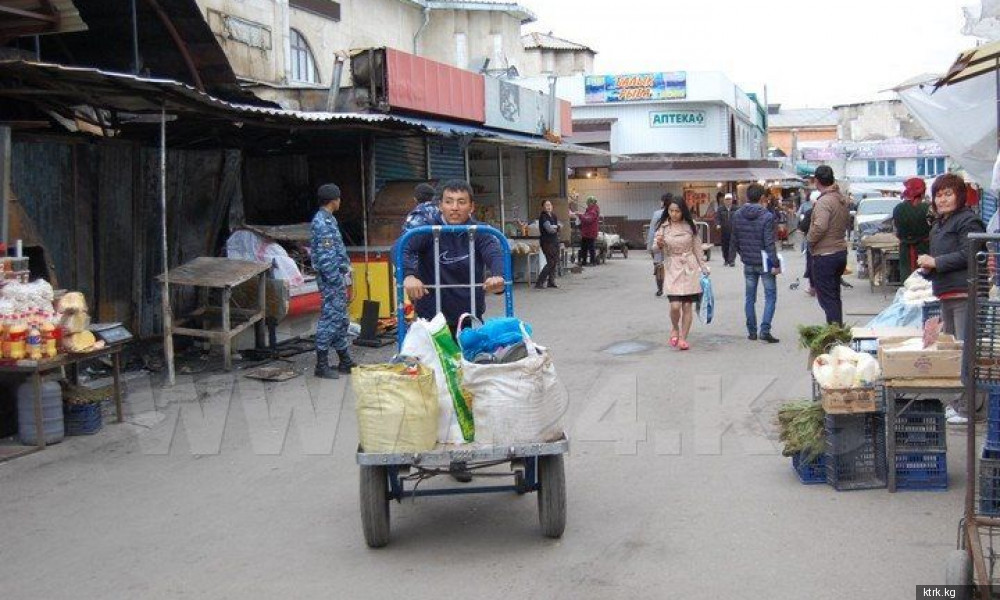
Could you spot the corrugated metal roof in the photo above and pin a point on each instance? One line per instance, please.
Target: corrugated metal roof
(512, 8)
(547, 41)
(678, 175)
(803, 117)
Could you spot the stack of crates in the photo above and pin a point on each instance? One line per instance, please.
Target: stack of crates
(989, 463)
(855, 451)
(921, 458)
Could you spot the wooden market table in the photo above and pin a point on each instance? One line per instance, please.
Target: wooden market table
(911, 390)
(881, 255)
(219, 324)
(36, 368)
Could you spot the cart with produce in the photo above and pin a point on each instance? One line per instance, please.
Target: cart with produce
(389, 474)
(975, 560)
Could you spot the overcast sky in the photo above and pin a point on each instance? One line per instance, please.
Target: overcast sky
(808, 53)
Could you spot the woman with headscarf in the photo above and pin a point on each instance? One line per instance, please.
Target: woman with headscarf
(912, 226)
(589, 228)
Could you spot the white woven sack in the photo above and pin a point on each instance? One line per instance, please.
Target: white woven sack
(522, 401)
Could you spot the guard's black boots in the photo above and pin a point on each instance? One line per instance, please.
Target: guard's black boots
(323, 368)
(345, 361)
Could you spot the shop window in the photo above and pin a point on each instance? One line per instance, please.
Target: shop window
(303, 65)
(882, 168)
(930, 167)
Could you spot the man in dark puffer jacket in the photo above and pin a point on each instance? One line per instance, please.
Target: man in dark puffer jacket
(752, 237)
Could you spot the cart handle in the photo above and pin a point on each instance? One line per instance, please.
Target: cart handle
(436, 231)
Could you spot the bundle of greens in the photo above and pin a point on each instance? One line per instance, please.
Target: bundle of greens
(801, 429)
(819, 338)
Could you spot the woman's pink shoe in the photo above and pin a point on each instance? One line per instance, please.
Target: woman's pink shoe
(683, 345)
(673, 340)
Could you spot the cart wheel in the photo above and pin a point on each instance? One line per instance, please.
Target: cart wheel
(552, 495)
(375, 505)
(958, 568)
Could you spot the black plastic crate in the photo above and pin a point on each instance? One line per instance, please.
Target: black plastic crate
(987, 325)
(922, 427)
(989, 483)
(810, 472)
(82, 419)
(992, 441)
(855, 451)
(921, 471)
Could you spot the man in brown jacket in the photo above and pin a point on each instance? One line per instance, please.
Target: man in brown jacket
(828, 243)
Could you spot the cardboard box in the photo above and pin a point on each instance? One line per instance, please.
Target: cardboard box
(848, 401)
(943, 363)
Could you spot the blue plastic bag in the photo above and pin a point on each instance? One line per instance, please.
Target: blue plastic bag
(706, 306)
(494, 333)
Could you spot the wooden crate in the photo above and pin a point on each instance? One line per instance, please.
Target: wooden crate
(849, 401)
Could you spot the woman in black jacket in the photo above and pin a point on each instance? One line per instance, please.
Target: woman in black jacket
(947, 262)
(548, 233)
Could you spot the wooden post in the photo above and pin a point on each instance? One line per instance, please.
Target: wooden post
(168, 339)
(117, 374)
(5, 192)
(36, 380)
(227, 340)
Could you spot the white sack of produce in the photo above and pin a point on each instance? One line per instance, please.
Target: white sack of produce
(23, 297)
(397, 407)
(522, 401)
(419, 343)
(844, 368)
(72, 302)
(247, 245)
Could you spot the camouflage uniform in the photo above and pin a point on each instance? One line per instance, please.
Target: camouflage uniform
(329, 258)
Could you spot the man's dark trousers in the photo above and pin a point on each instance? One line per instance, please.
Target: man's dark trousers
(727, 254)
(826, 273)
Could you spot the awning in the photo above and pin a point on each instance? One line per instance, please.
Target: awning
(714, 175)
(972, 63)
(501, 138)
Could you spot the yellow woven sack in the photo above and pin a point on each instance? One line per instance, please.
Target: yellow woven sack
(397, 407)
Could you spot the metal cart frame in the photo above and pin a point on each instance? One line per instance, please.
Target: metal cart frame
(967, 565)
(534, 467)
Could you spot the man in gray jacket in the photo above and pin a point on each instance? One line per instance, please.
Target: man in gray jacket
(827, 239)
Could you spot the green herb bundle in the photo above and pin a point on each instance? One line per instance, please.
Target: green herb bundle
(819, 338)
(801, 429)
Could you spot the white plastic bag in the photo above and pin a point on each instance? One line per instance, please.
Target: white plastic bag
(419, 343)
(248, 245)
(522, 401)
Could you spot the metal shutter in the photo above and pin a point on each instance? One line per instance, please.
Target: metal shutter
(447, 159)
(399, 159)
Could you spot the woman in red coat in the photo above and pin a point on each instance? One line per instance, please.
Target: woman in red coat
(589, 225)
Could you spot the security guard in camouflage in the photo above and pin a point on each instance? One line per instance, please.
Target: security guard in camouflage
(333, 273)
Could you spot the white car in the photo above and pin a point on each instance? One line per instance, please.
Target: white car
(871, 213)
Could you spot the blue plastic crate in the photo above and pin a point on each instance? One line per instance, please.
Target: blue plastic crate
(82, 419)
(989, 483)
(855, 451)
(992, 441)
(811, 472)
(921, 471)
(922, 427)
(930, 310)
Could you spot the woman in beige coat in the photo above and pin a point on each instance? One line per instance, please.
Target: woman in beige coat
(677, 236)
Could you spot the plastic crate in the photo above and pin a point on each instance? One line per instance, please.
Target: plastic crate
(921, 471)
(922, 427)
(992, 441)
(989, 483)
(82, 419)
(810, 472)
(865, 345)
(987, 359)
(855, 451)
(930, 310)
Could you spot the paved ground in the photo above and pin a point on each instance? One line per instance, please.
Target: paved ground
(676, 488)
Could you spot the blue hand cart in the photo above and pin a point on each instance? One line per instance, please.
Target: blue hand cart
(534, 467)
